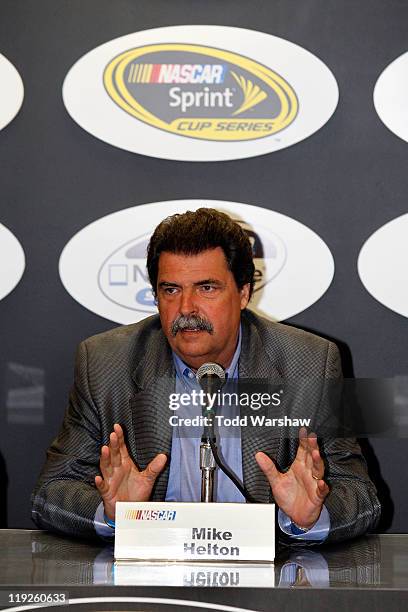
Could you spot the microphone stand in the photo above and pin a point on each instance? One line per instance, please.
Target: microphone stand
(207, 465)
(207, 462)
(211, 377)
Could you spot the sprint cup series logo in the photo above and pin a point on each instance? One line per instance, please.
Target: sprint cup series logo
(201, 92)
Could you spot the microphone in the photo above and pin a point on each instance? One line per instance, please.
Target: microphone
(210, 372)
(211, 378)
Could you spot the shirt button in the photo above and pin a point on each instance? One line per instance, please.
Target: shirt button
(190, 375)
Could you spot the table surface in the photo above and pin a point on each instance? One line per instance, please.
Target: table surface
(372, 564)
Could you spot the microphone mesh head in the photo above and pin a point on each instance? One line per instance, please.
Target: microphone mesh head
(210, 369)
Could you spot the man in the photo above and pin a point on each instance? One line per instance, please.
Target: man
(202, 274)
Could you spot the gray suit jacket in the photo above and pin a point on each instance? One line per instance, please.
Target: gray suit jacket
(125, 376)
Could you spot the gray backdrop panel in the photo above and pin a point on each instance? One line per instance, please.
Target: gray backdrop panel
(344, 182)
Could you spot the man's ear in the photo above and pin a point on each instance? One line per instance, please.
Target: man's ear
(244, 293)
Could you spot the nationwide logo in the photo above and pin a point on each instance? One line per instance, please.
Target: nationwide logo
(151, 515)
(293, 266)
(201, 92)
(123, 275)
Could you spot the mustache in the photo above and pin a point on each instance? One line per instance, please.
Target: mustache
(193, 322)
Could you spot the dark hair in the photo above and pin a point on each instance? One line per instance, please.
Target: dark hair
(191, 233)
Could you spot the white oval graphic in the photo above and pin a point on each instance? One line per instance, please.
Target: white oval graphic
(200, 93)
(160, 603)
(382, 265)
(12, 261)
(12, 91)
(390, 96)
(294, 267)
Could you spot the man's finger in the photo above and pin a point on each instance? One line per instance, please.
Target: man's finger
(303, 445)
(101, 485)
(318, 464)
(117, 428)
(268, 467)
(155, 467)
(322, 489)
(312, 441)
(121, 439)
(116, 459)
(307, 444)
(105, 462)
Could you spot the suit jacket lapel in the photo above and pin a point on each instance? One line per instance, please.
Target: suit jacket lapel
(255, 363)
(154, 377)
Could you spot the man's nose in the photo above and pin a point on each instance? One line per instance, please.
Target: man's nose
(188, 304)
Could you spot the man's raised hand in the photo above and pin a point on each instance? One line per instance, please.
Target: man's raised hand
(121, 480)
(299, 492)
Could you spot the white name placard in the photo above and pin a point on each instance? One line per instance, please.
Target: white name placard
(161, 531)
(195, 574)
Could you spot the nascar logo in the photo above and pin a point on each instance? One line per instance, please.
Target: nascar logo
(201, 92)
(176, 73)
(151, 515)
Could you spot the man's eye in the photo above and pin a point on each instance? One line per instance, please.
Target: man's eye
(207, 288)
(170, 290)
